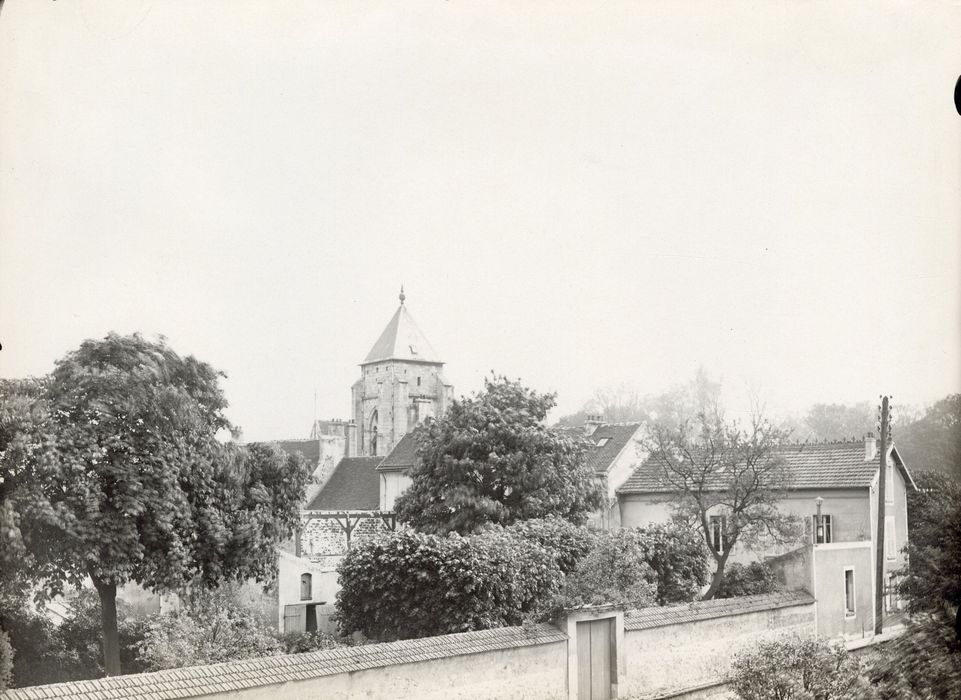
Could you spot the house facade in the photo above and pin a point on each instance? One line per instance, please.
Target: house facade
(613, 457)
(834, 559)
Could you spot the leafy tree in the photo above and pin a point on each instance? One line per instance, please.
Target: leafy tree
(491, 460)
(129, 481)
(933, 442)
(796, 668)
(753, 579)
(835, 421)
(720, 469)
(16, 566)
(410, 584)
(622, 403)
(933, 576)
(17, 398)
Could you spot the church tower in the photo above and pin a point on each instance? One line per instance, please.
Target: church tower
(401, 384)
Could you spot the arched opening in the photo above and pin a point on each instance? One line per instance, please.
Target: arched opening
(373, 433)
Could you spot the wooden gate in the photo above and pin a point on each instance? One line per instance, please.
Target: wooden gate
(595, 659)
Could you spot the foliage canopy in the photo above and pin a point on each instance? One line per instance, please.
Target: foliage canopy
(410, 584)
(795, 668)
(129, 481)
(934, 548)
(491, 460)
(719, 468)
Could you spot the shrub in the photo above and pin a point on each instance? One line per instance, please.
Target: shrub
(753, 579)
(614, 571)
(924, 662)
(566, 541)
(72, 651)
(795, 668)
(206, 634)
(409, 584)
(80, 636)
(301, 642)
(39, 656)
(678, 557)
(6, 661)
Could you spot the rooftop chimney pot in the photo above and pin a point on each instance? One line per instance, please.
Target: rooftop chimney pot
(870, 447)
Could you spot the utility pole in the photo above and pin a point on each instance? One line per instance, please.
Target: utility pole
(879, 547)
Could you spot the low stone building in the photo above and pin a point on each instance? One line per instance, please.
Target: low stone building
(835, 559)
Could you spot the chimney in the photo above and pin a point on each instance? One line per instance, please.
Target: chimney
(591, 424)
(352, 449)
(870, 447)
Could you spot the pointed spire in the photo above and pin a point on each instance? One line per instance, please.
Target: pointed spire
(402, 340)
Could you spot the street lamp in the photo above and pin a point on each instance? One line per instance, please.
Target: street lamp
(819, 536)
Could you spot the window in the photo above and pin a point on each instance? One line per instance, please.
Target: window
(418, 381)
(849, 603)
(413, 349)
(890, 540)
(821, 537)
(603, 441)
(891, 594)
(889, 483)
(718, 524)
(305, 585)
(373, 432)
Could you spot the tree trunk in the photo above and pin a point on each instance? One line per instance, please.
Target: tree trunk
(716, 580)
(111, 637)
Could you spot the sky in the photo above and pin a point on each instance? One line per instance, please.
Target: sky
(576, 194)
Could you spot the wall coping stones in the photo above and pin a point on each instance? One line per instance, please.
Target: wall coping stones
(270, 670)
(648, 618)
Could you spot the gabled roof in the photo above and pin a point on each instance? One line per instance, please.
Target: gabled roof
(608, 441)
(310, 449)
(353, 485)
(402, 340)
(614, 437)
(403, 456)
(810, 465)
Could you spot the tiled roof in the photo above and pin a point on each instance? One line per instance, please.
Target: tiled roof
(273, 670)
(647, 618)
(810, 465)
(354, 485)
(402, 340)
(402, 456)
(310, 449)
(617, 436)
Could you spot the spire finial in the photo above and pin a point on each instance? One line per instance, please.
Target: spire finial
(402, 295)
